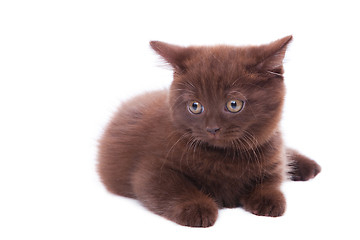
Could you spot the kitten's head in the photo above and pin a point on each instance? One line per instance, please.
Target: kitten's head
(224, 95)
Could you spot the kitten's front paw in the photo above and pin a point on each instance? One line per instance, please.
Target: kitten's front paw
(196, 214)
(271, 205)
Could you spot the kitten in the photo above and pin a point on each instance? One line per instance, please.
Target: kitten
(211, 141)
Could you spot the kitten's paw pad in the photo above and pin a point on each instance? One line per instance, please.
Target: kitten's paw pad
(270, 206)
(305, 170)
(196, 214)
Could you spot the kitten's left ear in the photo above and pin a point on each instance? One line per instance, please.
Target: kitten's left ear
(273, 56)
(175, 55)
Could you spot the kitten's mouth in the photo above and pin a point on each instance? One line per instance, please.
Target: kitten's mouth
(220, 141)
(215, 141)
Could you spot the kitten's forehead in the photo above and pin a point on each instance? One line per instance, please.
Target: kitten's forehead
(215, 71)
(220, 56)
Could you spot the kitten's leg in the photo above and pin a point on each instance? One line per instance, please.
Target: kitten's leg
(173, 196)
(266, 199)
(301, 167)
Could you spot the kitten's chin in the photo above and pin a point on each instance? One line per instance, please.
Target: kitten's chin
(228, 143)
(216, 142)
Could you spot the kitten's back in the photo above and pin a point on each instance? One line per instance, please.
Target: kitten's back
(125, 138)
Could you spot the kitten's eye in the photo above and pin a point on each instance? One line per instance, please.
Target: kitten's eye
(234, 106)
(195, 107)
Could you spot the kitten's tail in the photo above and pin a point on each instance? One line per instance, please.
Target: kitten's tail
(300, 167)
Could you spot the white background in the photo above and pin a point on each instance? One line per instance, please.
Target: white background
(66, 65)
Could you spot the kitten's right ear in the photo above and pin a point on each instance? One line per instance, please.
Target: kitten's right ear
(272, 56)
(175, 55)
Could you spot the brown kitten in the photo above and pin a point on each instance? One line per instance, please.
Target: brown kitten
(211, 141)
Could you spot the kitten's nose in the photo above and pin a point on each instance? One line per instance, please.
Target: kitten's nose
(213, 130)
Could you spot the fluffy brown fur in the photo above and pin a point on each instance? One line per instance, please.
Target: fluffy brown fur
(184, 165)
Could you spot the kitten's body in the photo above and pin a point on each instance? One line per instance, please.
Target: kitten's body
(185, 166)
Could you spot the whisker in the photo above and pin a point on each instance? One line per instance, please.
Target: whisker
(258, 153)
(184, 135)
(277, 74)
